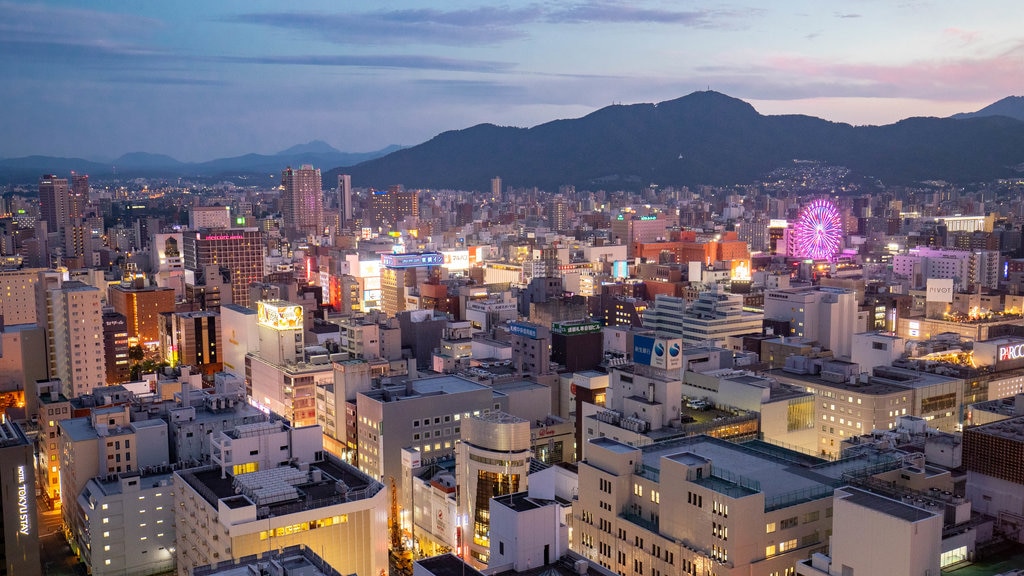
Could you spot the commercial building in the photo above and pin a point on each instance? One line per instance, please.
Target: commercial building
(716, 315)
(425, 414)
(19, 549)
(52, 407)
(279, 490)
(115, 347)
(700, 505)
(53, 202)
(239, 251)
(18, 295)
(142, 306)
(209, 217)
(493, 459)
(994, 457)
(387, 208)
(193, 339)
(825, 314)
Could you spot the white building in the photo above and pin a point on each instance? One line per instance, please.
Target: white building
(715, 315)
(72, 313)
(825, 314)
(225, 512)
(965, 267)
(129, 518)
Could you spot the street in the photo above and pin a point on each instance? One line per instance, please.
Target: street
(54, 551)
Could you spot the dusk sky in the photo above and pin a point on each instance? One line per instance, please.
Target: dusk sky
(204, 79)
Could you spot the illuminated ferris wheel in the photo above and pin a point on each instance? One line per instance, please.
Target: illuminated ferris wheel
(818, 233)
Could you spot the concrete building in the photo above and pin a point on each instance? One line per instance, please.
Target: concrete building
(302, 202)
(288, 390)
(700, 505)
(714, 316)
(18, 295)
(19, 549)
(52, 407)
(201, 412)
(237, 250)
(298, 560)
(992, 454)
(129, 520)
(493, 459)
(827, 315)
(21, 363)
(192, 339)
(318, 501)
(239, 336)
(142, 307)
(209, 218)
(902, 539)
(424, 414)
(115, 347)
(72, 314)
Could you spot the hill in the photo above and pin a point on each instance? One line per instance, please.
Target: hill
(1011, 107)
(702, 138)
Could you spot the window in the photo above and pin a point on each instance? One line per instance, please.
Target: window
(769, 528)
(787, 545)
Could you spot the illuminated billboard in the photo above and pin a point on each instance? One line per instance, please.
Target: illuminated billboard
(620, 269)
(456, 260)
(412, 260)
(523, 329)
(368, 269)
(664, 353)
(572, 328)
(740, 270)
(279, 315)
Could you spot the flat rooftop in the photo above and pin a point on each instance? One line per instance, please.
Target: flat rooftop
(887, 506)
(780, 474)
(1011, 428)
(308, 494)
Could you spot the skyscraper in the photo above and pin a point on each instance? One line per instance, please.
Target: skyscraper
(53, 202)
(302, 202)
(496, 187)
(387, 209)
(345, 199)
(79, 196)
(72, 314)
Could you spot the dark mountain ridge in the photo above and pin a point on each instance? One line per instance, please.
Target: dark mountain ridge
(702, 138)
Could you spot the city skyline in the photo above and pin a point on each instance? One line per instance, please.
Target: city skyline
(202, 81)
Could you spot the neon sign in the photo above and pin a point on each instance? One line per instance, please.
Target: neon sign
(225, 237)
(23, 517)
(1011, 352)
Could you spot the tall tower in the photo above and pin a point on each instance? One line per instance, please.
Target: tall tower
(53, 202)
(345, 199)
(302, 203)
(79, 197)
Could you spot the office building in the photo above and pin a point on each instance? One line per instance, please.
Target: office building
(700, 505)
(302, 206)
(345, 199)
(209, 218)
(288, 389)
(994, 455)
(713, 317)
(239, 336)
(238, 251)
(19, 547)
(193, 339)
(18, 295)
(104, 444)
(425, 414)
(141, 306)
(388, 208)
(531, 348)
(298, 560)
(824, 314)
(279, 490)
(53, 202)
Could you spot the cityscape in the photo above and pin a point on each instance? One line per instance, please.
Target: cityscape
(704, 336)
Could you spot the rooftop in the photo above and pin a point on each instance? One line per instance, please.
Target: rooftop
(1011, 429)
(887, 506)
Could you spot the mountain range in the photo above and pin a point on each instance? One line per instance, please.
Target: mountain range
(143, 164)
(703, 138)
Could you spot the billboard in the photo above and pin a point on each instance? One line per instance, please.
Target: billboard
(412, 260)
(571, 328)
(456, 259)
(279, 315)
(939, 290)
(664, 353)
(523, 329)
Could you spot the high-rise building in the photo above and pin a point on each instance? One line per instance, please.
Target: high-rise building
(558, 213)
(192, 339)
(496, 188)
(238, 250)
(18, 296)
(72, 313)
(19, 549)
(388, 208)
(53, 202)
(345, 199)
(209, 217)
(822, 313)
(302, 202)
(79, 197)
(115, 347)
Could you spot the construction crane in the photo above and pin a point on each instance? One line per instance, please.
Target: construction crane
(400, 557)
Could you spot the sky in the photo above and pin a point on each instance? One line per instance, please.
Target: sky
(202, 79)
